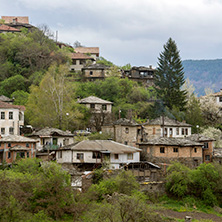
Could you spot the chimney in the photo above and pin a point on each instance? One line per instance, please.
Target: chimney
(150, 66)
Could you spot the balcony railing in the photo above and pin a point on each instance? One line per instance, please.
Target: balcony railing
(51, 147)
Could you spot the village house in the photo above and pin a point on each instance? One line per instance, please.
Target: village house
(207, 145)
(166, 149)
(217, 155)
(100, 111)
(91, 51)
(123, 131)
(11, 119)
(96, 104)
(95, 72)
(140, 74)
(79, 60)
(17, 22)
(89, 154)
(13, 147)
(6, 99)
(52, 138)
(163, 126)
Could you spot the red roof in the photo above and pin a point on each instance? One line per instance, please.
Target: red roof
(10, 106)
(80, 56)
(8, 28)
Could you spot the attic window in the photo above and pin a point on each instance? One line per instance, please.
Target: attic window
(177, 131)
(104, 107)
(116, 156)
(175, 150)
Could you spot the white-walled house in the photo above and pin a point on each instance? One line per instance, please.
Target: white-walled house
(166, 127)
(11, 118)
(96, 152)
(52, 138)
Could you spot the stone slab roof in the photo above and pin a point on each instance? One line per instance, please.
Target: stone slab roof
(48, 132)
(125, 122)
(102, 146)
(19, 148)
(167, 122)
(5, 99)
(16, 138)
(80, 56)
(92, 50)
(217, 152)
(7, 28)
(168, 141)
(96, 67)
(94, 100)
(199, 138)
(5, 105)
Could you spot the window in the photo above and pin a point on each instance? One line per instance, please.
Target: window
(10, 116)
(116, 156)
(91, 73)
(60, 154)
(2, 115)
(154, 131)
(206, 145)
(195, 150)
(129, 156)
(27, 154)
(182, 131)
(92, 106)
(177, 131)
(162, 149)
(171, 131)
(96, 155)
(165, 131)
(11, 130)
(207, 158)
(80, 156)
(220, 99)
(127, 130)
(9, 155)
(73, 62)
(104, 107)
(27, 144)
(9, 144)
(2, 131)
(82, 62)
(126, 143)
(175, 150)
(186, 131)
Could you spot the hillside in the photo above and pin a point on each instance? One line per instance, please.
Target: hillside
(204, 74)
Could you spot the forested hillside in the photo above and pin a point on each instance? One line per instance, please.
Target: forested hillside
(204, 74)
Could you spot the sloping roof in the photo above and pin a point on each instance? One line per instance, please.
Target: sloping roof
(48, 132)
(199, 138)
(167, 122)
(142, 68)
(217, 152)
(5, 105)
(5, 99)
(80, 56)
(96, 67)
(19, 148)
(167, 141)
(102, 146)
(16, 138)
(125, 122)
(20, 19)
(94, 100)
(92, 50)
(7, 28)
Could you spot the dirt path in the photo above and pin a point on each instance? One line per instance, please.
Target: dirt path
(194, 215)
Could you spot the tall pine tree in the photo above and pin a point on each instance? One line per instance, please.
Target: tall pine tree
(170, 77)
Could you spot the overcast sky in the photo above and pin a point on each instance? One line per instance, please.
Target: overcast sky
(129, 31)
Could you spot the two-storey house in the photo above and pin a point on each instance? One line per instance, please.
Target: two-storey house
(11, 118)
